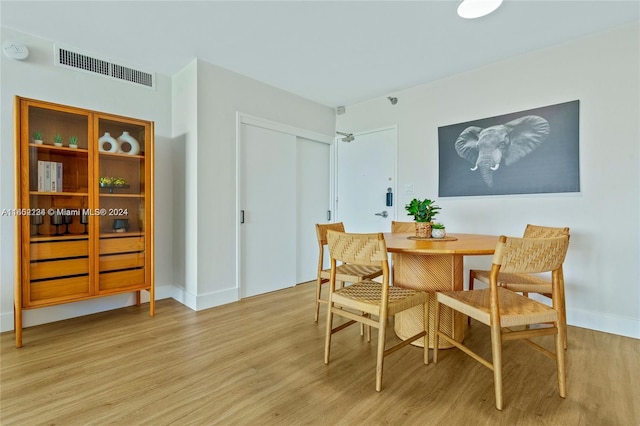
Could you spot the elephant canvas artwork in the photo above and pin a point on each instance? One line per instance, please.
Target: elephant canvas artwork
(533, 151)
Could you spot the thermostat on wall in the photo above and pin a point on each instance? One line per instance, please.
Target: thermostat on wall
(15, 50)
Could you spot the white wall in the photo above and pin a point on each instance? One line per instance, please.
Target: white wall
(211, 205)
(602, 267)
(221, 94)
(38, 78)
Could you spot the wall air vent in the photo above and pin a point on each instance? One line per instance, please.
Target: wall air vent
(71, 58)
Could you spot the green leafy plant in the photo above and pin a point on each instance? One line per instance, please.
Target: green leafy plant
(57, 138)
(437, 226)
(422, 210)
(73, 140)
(37, 136)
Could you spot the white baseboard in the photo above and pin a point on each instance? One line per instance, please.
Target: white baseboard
(205, 301)
(607, 323)
(31, 317)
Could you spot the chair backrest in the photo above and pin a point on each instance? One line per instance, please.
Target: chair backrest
(322, 228)
(529, 255)
(321, 233)
(403, 226)
(535, 231)
(359, 249)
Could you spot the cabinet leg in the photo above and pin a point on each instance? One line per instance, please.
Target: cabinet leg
(152, 301)
(17, 321)
(138, 298)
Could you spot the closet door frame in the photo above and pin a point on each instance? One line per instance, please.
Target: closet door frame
(246, 119)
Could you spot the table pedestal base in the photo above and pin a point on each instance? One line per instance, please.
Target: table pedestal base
(429, 273)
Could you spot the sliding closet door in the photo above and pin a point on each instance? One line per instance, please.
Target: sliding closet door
(268, 200)
(313, 203)
(284, 192)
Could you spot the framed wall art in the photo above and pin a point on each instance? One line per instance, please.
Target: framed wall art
(526, 152)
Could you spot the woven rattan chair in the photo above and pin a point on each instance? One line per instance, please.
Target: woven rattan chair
(345, 273)
(527, 283)
(502, 309)
(403, 226)
(374, 299)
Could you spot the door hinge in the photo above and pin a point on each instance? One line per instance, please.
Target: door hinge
(328, 214)
(241, 216)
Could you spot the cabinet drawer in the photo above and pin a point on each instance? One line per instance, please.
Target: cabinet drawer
(121, 245)
(59, 268)
(59, 289)
(121, 261)
(121, 279)
(59, 249)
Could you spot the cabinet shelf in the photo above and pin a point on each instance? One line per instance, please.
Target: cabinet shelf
(121, 234)
(58, 194)
(122, 156)
(114, 195)
(66, 237)
(63, 149)
(76, 251)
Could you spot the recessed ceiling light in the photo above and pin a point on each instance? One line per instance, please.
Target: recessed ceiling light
(471, 9)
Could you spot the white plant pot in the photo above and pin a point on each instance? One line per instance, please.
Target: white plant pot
(38, 141)
(57, 143)
(438, 233)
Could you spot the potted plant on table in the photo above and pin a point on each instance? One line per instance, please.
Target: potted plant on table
(423, 212)
(438, 230)
(57, 140)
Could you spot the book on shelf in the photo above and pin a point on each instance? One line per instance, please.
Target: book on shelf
(41, 175)
(59, 176)
(50, 176)
(47, 176)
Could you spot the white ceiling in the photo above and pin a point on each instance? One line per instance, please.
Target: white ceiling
(332, 52)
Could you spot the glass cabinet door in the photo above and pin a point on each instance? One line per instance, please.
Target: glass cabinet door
(55, 165)
(122, 203)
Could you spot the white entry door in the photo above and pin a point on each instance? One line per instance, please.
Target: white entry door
(284, 192)
(366, 170)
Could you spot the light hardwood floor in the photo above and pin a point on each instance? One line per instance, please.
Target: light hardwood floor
(260, 362)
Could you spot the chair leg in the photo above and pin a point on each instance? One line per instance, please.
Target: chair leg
(436, 330)
(472, 278)
(560, 361)
(318, 291)
(496, 355)
(562, 311)
(327, 339)
(380, 358)
(426, 327)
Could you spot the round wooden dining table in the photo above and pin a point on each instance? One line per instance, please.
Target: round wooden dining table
(433, 265)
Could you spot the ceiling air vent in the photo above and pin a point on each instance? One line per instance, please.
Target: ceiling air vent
(69, 58)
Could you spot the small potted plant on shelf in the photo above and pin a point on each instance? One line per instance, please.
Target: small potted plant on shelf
(57, 140)
(37, 138)
(438, 231)
(73, 142)
(423, 212)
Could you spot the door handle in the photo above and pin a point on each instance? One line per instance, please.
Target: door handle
(383, 213)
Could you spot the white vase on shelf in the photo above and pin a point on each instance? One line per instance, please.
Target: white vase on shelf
(107, 139)
(126, 139)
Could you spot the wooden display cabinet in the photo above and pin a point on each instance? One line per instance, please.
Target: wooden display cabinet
(84, 215)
